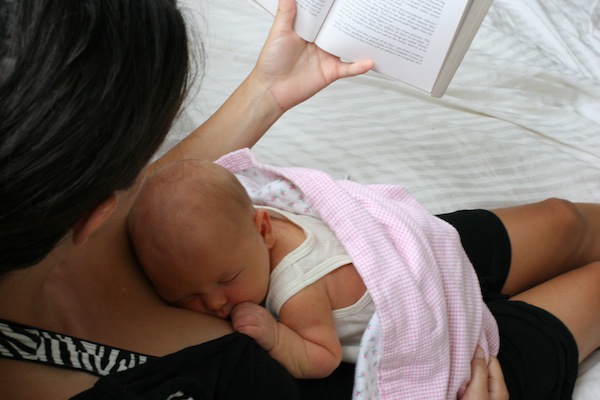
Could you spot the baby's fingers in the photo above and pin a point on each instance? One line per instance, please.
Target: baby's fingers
(245, 314)
(255, 321)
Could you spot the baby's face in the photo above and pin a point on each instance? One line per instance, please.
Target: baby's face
(228, 273)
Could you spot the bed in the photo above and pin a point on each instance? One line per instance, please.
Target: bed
(520, 121)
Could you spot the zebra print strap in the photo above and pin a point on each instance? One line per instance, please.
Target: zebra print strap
(25, 343)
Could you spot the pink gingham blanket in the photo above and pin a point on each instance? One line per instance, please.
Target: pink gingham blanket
(429, 312)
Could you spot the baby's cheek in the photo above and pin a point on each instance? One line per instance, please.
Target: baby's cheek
(241, 294)
(193, 304)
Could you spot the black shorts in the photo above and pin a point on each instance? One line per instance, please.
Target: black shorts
(538, 353)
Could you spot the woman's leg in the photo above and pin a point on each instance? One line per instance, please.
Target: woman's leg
(574, 298)
(548, 239)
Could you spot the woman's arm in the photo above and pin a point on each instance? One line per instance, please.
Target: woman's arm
(288, 71)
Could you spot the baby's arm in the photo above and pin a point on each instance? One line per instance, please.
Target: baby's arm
(305, 341)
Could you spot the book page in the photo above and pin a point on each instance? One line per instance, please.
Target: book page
(407, 39)
(310, 15)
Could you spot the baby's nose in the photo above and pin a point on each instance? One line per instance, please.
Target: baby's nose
(215, 303)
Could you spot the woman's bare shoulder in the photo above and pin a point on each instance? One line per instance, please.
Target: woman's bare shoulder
(156, 331)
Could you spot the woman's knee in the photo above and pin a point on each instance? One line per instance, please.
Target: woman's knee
(569, 219)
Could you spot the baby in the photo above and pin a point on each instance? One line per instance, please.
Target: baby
(206, 248)
(442, 283)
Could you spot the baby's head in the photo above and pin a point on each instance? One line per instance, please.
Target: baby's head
(199, 239)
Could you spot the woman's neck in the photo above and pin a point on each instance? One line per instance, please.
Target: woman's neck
(73, 283)
(97, 292)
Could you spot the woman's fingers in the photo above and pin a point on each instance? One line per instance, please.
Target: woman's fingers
(497, 384)
(487, 381)
(286, 10)
(477, 389)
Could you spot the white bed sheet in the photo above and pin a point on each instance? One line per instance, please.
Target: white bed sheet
(520, 122)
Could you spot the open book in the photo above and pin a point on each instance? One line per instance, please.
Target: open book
(419, 42)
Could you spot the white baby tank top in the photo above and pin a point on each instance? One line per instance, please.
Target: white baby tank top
(317, 256)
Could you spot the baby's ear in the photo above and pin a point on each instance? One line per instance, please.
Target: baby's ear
(262, 221)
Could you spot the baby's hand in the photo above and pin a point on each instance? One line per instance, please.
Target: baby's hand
(256, 322)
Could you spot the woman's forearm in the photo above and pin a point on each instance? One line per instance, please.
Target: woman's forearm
(240, 122)
(288, 71)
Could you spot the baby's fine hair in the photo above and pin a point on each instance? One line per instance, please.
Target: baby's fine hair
(189, 190)
(184, 198)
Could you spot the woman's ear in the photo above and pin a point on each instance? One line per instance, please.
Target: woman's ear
(90, 222)
(262, 221)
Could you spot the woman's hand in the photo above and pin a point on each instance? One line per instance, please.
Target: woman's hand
(293, 70)
(487, 381)
(289, 70)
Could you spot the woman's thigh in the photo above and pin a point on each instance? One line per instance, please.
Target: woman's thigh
(573, 298)
(485, 240)
(548, 239)
(538, 353)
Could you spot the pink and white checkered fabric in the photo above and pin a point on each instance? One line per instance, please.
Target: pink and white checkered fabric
(427, 297)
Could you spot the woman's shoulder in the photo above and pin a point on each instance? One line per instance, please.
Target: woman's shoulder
(103, 340)
(232, 364)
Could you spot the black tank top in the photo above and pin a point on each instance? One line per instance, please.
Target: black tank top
(231, 367)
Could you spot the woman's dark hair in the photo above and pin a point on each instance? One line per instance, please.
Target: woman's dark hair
(88, 91)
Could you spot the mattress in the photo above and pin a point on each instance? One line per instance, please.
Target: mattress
(520, 121)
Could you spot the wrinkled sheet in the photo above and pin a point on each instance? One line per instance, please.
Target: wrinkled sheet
(520, 121)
